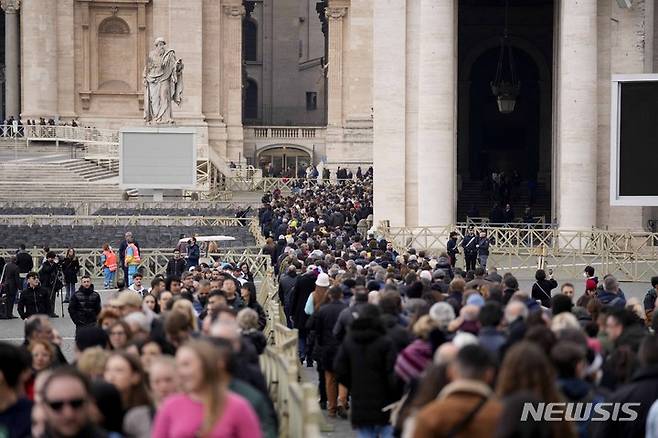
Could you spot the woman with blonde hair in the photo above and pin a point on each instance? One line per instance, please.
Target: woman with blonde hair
(206, 408)
(185, 306)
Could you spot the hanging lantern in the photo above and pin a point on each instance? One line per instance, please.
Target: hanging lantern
(505, 86)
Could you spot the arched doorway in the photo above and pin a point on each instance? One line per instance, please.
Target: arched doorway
(284, 161)
(519, 144)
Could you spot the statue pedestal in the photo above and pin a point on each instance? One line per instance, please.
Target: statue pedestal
(158, 159)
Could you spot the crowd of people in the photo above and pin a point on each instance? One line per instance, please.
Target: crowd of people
(179, 359)
(412, 345)
(404, 344)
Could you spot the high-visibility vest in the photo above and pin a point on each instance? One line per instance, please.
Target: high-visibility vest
(110, 260)
(135, 259)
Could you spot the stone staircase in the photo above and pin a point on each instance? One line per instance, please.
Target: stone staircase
(473, 193)
(69, 180)
(89, 170)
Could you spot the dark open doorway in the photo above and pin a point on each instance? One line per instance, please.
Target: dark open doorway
(517, 145)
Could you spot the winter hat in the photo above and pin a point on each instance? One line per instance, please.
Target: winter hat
(322, 280)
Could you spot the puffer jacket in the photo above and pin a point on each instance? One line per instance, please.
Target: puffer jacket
(85, 306)
(33, 301)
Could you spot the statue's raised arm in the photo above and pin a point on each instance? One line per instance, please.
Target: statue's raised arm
(163, 83)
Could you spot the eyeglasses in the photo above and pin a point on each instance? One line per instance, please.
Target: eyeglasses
(58, 405)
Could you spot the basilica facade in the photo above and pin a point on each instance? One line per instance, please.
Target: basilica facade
(403, 85)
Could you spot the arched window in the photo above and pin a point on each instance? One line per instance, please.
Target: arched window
(250, 39)
(251, 100)
(113, 25)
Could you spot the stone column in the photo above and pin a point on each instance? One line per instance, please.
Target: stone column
(12, 56)
(436, 114)
(232, 77)
(577, 114)
(335, 15)
(389, 94)
(39, 43)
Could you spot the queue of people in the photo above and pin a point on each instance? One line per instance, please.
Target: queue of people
(411, 345)
(177, 360)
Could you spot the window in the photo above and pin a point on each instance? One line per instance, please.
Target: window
(311, 101)
(250, 39)
(251, 100)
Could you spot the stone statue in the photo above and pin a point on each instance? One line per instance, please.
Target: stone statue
(163, 83)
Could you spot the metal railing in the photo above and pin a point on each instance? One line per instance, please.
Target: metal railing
(154, 260)
(87, 208)
(295, 403)
(631, 256)
(91, 220)
(70, 134)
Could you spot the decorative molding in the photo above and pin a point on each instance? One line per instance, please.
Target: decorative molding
(235, 11)
(10, 6)
(335, 12)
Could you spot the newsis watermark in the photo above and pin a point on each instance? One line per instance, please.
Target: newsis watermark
(579, 411)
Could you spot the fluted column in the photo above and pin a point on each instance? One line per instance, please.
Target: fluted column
(335, 16)
(39, 43)
(12, 56)
(577, 114)
(436, 114)
(232, 77)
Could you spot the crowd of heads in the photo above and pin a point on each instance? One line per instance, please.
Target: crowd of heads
(183, 337)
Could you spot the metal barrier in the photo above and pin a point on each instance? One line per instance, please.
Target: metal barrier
(630, 256)
(154, 260)
(91, 220)
(295, 403)
(70, 134)
(88, 208)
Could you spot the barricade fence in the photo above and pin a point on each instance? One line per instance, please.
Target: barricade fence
(154, 260)
(630, 256)
(145, 220)
(88, 208)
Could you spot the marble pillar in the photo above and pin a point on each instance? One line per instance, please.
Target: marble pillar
(577, 115)
(12, 56)
(389, 81)
(232, 78)
(335, 16)
(436, 114)
(40, 61)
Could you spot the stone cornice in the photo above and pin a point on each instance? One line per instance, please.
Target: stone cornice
(10, 6)
(335, 12)
(234, 11)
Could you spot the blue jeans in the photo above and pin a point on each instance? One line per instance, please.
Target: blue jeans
(375, 432)
(69, 289)
(108, 278)
(483, 260)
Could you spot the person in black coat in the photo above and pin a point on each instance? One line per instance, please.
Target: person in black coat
(34, 298)
(176, 266)
(542, 288)
(24, 260)
(12, 284)
(85, 304)
(469, 243)
(364, 364)
(642, 389)
(303, 289)
(49, 278)
(326, 347)
(70, 269)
